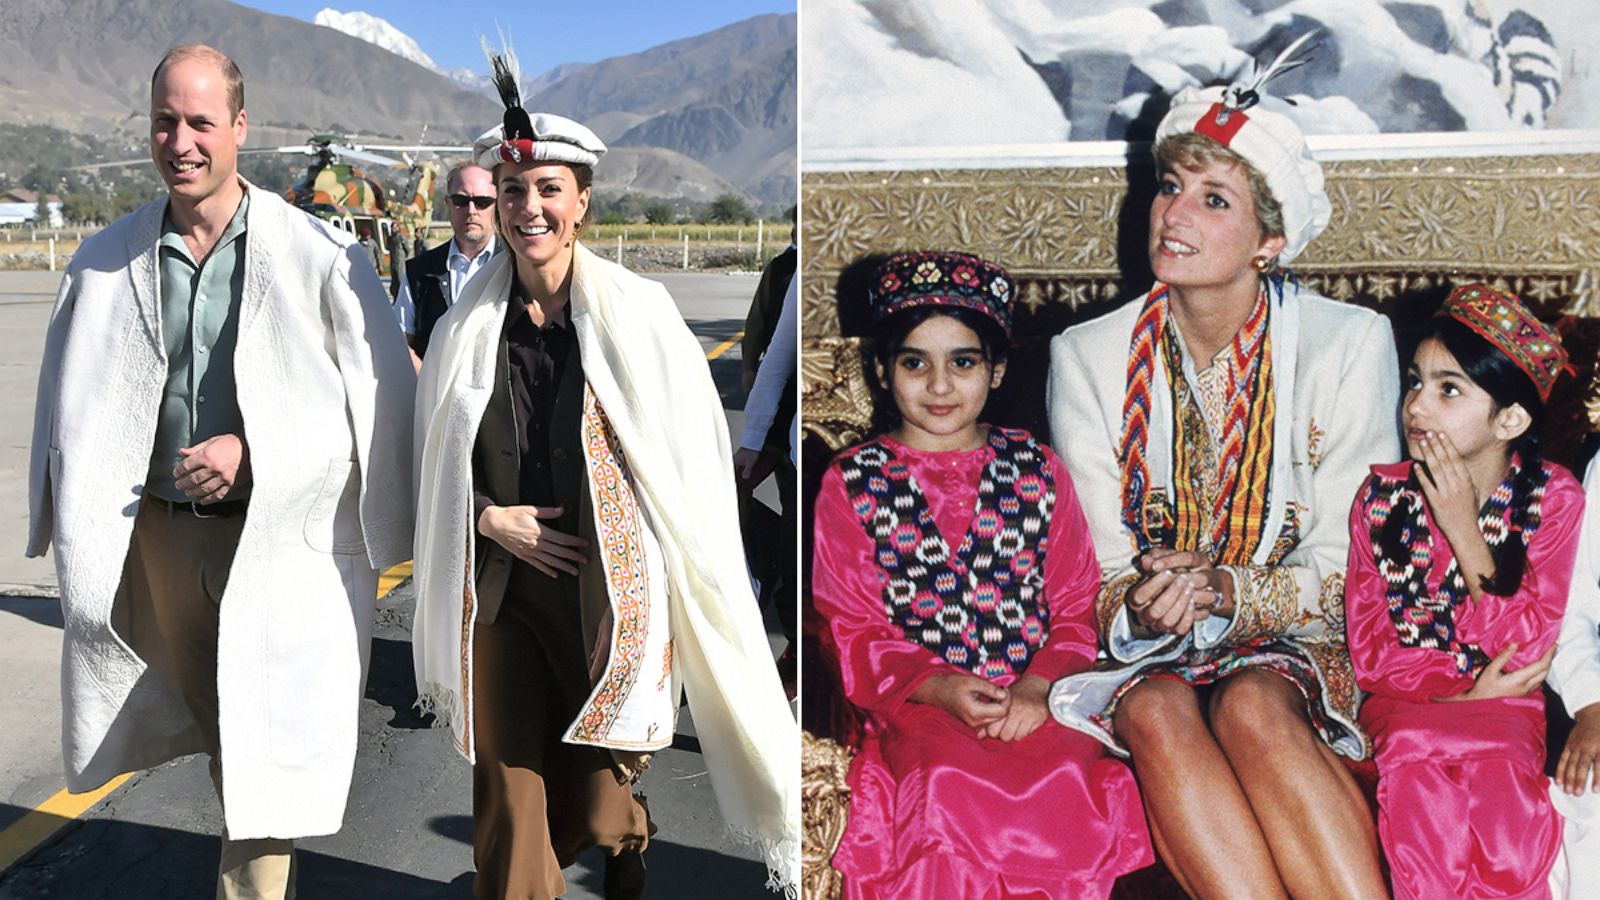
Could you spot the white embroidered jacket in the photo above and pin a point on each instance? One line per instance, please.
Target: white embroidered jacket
(325, 387)
(1336, 385)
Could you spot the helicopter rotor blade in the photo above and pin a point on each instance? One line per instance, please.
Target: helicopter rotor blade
(416, 148)
(108, 165)
(364, 156)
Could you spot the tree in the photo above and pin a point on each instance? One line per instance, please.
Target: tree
(658, 212)
(729, 209)
(41, 211)
(79, 208)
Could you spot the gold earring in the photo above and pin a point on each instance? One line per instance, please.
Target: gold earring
(1261, 264)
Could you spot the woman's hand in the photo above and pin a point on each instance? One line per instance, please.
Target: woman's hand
(1576, 767)
(1029, 709)
(1218, 581)
(518, 529)
(1179, 589)
(977, 702)
(1495, 682)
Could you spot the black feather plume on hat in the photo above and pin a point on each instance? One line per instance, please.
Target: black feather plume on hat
(505, 73)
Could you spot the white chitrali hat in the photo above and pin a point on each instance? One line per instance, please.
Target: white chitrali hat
(1268, 140)
(523, 137)
(548, 138)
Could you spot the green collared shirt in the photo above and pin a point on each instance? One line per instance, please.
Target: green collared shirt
(200, 327)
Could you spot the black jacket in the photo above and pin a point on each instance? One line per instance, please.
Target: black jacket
(428, 279)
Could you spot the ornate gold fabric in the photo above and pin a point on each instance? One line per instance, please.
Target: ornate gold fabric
(1528, 224)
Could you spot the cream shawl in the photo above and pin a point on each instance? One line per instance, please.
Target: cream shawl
(644, 368)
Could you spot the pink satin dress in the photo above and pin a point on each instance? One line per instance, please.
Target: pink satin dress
(1464, 809)
(936, 812)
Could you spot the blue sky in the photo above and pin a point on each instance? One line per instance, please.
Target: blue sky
(544, 35)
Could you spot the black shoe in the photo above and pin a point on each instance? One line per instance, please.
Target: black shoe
(625, 876)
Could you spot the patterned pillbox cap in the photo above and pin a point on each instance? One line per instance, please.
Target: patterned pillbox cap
(1504, 321)
(911, 280)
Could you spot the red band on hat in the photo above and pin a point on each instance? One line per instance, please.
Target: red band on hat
(1221, 124)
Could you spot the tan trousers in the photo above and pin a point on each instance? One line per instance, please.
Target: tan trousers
(537, 802)
(167, 607)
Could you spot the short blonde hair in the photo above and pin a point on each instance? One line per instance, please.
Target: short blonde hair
(1193, 150)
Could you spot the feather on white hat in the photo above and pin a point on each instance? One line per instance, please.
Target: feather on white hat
(1236, 118)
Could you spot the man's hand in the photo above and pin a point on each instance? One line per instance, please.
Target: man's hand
(751, 467)
(518, 529)
(209, 470)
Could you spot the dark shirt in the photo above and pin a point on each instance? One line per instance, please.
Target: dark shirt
(536, 359)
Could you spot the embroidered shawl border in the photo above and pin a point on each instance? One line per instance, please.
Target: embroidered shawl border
(621, 541)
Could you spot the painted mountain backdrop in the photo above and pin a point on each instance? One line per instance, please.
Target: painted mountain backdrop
(690, 119)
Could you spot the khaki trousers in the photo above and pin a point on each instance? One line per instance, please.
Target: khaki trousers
(167, 608)
(536, 801)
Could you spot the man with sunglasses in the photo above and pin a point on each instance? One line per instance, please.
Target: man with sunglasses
(436, 277)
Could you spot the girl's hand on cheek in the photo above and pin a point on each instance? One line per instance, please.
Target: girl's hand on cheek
(1447, 485)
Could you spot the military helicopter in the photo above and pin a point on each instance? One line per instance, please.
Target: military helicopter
(335, 190)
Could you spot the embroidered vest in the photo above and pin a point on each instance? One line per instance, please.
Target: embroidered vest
(980, 607)
(1422, 619)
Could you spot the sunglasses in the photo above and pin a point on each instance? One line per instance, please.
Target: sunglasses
(460, 200)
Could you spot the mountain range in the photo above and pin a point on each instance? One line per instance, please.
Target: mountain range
(689, 119)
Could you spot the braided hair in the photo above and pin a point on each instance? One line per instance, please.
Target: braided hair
(1506, 384)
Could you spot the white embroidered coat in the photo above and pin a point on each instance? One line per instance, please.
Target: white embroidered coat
(1336, 385)
(325, 389)
(1575, 675)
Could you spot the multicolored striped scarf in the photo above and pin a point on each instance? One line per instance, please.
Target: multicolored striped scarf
(1421, 618)
(1229, 527)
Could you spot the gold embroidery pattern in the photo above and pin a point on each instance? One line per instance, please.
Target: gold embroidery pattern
(1331, 601)
(1314, 444)
(1113, 594)
(666, 667)
(1339, 694)
(464, 743)
(622, 549)
(1266, 601)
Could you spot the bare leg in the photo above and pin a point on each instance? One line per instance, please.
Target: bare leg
(1202, 823)
(1314, 816)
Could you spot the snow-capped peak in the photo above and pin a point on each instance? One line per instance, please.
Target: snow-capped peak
(376, 31)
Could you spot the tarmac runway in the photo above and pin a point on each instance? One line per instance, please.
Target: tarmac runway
(407, 829)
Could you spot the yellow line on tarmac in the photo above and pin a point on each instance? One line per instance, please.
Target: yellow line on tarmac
(391, 579)
(47, 818)
(725, 345)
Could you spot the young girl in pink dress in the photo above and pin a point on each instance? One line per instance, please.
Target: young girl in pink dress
(1460, 561)
(956, 573)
